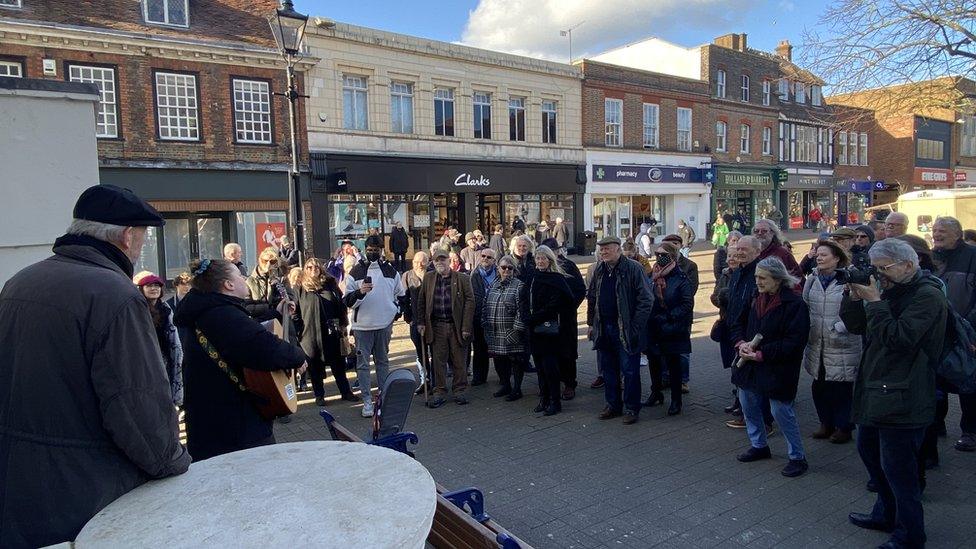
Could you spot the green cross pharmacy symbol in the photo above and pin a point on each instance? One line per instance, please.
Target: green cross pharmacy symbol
(599, 173)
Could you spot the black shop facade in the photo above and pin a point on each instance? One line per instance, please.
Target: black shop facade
(352, 194)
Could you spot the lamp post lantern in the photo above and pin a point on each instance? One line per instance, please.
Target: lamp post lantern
(288, 28)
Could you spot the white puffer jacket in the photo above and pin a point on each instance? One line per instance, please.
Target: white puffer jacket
(830, 345)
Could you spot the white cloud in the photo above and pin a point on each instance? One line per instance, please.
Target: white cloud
(787, 5)
(531, 27)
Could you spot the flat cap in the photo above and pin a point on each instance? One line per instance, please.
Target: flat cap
(116, 206)
(608, 240)
(438, 253)
(844, 232)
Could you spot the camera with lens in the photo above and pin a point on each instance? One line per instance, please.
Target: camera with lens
(857, 275)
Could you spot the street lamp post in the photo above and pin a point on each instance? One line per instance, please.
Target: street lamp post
(288, 28)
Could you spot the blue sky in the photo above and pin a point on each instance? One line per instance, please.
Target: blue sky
(531, 27)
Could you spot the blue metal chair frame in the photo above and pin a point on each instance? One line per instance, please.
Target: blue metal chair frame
(397, 441)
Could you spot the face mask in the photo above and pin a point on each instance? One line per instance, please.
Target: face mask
(663, 259)
(372, 257)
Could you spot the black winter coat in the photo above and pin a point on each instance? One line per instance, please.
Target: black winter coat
(570, 316)
(86, 411)
(323, 319)
(785, 330)
(720, 261)
(399, 241)
(669, 328)
(525, 268)
(549, 297)
(220, 418)
(741, 289)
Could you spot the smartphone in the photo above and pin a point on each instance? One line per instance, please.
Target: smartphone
(368, 280)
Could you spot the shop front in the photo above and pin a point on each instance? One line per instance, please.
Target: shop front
(204, 210)
(802, 194)
(852, 198)
(353, 194)
(932, 178)
(742, 194)
(626, 190)
(965, 177)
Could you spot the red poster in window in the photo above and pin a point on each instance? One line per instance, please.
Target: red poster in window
(269, 234)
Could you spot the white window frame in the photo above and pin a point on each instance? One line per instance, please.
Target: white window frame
(107, 113)
(613, 120)
(767, 141)
(745, 88)
(967, 141)
(357, 87)
(816, 98)
(17, 4)
(252, 111)
(516, 118)
(550, 110)
(766, 91)
(445, 96)
(166, 3)
(852, 156)
(10, 64)
(720, 83)
(169, 109)
(842, 154)
(652, 124)
(745, 139)
(480, 101)
(806, 144)
(684, 134)
(401, 95)
(801, 93)
(721, 136)
(864, 149)
(784, 89)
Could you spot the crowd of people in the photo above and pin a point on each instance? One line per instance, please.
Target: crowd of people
(864, 314)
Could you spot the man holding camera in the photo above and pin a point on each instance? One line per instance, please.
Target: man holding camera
(902, 314)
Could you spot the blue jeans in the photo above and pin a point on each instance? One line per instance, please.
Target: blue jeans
(890, 456)
(615, 362)
(376, 344)
(752, 411)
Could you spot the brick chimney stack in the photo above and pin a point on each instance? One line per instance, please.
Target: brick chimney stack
(785, 50)
(731, 41)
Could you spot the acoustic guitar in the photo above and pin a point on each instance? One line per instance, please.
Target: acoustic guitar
(275, 391)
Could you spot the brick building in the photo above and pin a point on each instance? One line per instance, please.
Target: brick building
(646, 139)
(430, 134)
(770, 137)
(916, 146)
(187, 117)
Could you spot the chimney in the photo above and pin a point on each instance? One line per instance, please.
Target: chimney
(729, 41)
(742, 42)
(785, 50)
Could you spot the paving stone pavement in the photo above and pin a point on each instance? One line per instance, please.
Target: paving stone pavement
(572, 481)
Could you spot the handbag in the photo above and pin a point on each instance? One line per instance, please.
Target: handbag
(549, 327)
(346, 347)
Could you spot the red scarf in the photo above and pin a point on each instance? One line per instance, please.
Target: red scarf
(659, 276)
(766, 303)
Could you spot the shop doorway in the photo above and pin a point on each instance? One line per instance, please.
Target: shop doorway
(447, 212)
(489, 213)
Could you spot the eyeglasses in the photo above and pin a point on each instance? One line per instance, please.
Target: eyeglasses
(505, 268)
(761, 231)
(885, 268)
(486, 256)
(896, 224)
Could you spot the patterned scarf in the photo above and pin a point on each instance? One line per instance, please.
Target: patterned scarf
(659, 277)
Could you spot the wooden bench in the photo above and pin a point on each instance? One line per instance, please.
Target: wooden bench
(453, 527)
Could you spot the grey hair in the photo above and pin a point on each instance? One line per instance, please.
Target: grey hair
(97, 230)
(732, 234)
(526, 238)
(507, 258)
(893, 249)
(950, 222)
(231, 246)
(776, 269)
(546, 252)
(777, 234)
(752, 242)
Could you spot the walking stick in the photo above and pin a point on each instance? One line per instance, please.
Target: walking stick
(754, 343)
(425, 374)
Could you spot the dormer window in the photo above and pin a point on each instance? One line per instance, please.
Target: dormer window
(784, 89)
(10, 4)
(167, 12)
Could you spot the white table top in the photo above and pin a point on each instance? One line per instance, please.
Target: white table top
(300, 494)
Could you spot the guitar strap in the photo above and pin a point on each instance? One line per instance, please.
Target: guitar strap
(221, 363)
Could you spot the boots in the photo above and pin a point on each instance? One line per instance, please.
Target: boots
(543, 404)
(823, 432)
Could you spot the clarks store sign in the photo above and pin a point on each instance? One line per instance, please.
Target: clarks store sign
(378, 174)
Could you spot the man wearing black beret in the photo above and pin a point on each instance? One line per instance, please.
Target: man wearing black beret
(88, 413)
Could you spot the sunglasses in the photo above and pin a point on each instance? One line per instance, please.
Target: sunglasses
(506, 268)
(487, 257)
(761, 231)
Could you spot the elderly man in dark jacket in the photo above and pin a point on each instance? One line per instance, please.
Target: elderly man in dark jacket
(618, 306)
(894, 395)
(481, 279)
(87, 409)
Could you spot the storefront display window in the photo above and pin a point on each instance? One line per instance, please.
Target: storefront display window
(612, 216)
(526, 207)
(352, 216)
(649, 209)
(764, 204)
(555, 206)
(257, 231)
(149, 258)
